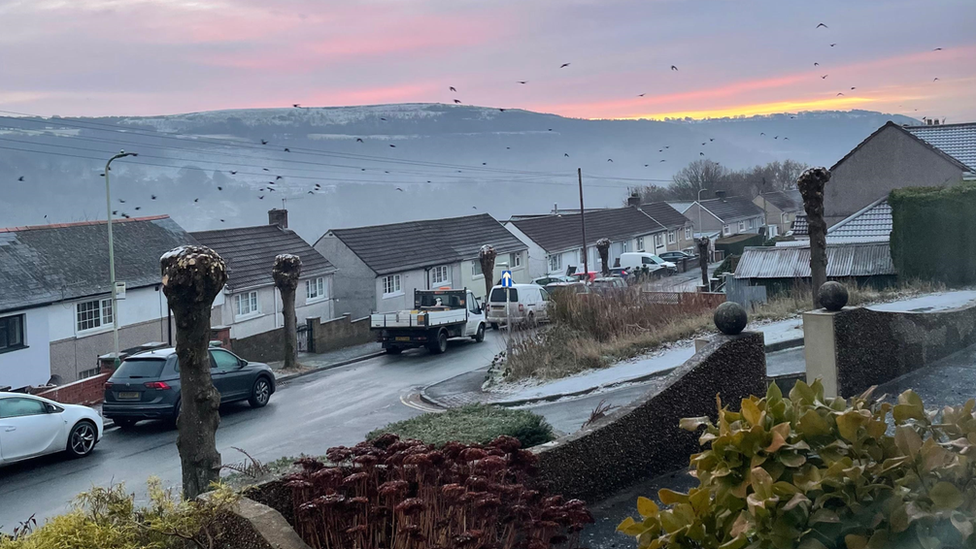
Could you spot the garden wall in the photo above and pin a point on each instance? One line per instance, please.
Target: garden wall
(643, 440)
(264, 347)
(88, 391)
(337, 333)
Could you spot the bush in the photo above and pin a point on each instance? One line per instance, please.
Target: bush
(472, 424)
(107, 518)
(406, 494)
(813, 473)
(933, 233)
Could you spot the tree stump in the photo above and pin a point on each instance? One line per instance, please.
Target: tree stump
(603, 246)
(703, 243)
(192, 278)
(286, 271)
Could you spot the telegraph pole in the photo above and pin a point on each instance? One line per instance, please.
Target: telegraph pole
(111, 254)
(586, 267)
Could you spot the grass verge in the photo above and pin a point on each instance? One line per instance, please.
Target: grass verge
(472, 424)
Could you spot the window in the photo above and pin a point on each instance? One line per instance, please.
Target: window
(94, 314)
(658, 240)
(625, 246)
(476, 268)
(498, 295)
(441, 275)
(11, 333)
(785, 217)
(555, 263)
(742, 226)
(391, 285)
(315, 289)
(640, 243)
(224, 361)
(246, 303)
(726, 230)
(672, 237)
(580, 256)
(687, 233)
(752, 223)
(18, 407)
(515, 260)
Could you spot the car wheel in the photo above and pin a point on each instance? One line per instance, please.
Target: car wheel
(479, 336)
(439, 345)
(82, 439)
(260, 393)
(494, 326)
(125, 423)
(393, 350)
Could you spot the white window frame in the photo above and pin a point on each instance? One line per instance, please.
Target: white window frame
(640, 243)
(22, 324)
(391, 286)
(253, 304)
(514, 260)
(103, 309)
(672, 237)
(476, 269)
(726, 230)
(742, 226)
(687, 233)
(555, 262)
(316, 290)
(440, 274)
(658, 240)
(752, 223)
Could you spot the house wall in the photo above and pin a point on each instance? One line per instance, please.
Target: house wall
(890, 160)
(409, 281)
(775, 216)
(709, 223)
(686, 238)
(30, 365)
(354, 286)
(476, 283)
(536, 264)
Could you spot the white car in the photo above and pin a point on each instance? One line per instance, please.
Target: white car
(32, 426)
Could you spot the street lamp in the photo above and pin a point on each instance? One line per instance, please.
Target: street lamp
(111, 253)
(699, 210)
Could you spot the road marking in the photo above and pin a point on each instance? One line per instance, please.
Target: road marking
(413, 400)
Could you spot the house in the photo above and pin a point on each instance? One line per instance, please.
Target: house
(681, 233)
(251, 303)
(380, 266)
(56, 314)
(780, 210)
(555, 241)
(731, 215)
(778, 268)
(871, 224)
(899, 156)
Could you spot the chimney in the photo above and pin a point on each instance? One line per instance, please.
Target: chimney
(721, 195)
(634, 200)
(278, 217)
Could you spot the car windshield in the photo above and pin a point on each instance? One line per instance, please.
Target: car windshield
(657, 259)
(138, 367)
(498, 295)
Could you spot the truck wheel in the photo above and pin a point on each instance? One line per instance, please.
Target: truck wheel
(393, 350)
(479, 336)
(494, 326)
(439, 345)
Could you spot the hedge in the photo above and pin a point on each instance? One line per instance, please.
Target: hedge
(933, 233)
(472, 424)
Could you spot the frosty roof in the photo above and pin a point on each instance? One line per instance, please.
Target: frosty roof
(731, 208)
(956, 140)
(556, 233)
(665, 214)
(872, 223)
(787, 201)
(843, 260)
(250, 253)
(50, 263)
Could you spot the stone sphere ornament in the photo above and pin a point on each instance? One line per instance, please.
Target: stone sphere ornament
(730, 318)
(833, 296)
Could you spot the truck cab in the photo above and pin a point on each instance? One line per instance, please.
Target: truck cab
(437, 315)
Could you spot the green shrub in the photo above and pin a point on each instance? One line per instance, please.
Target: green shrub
(728, 265)
(812, 473)
(107, 518)
(472, 424)
(933, 233)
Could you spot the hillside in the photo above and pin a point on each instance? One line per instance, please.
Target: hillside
(447, 159)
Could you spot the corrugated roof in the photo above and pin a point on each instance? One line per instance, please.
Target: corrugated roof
(665, 214)
(787, 201)
(843, 260)
(732, 208)
(250, 253)
(417, 244)
(557, 233)
(871, 223)
(50, 263)
(956, 140)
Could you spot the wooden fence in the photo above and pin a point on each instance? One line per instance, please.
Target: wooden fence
(686, 301)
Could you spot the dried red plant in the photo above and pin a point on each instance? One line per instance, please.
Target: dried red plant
(404, 494)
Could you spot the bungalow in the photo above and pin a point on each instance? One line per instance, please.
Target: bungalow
(252, 303)
(380, 266)
(680, 235)
(780, 210)
(555, 241)
(56, 314)
(731, 215)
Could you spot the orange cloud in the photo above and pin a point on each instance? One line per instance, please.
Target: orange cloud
(838, 103)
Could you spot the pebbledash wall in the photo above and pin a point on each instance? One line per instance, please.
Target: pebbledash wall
(853, 349)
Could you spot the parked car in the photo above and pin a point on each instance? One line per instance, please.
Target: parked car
(608, 284)
(437, 316)
(640, 260)
(675, 257)
(32, 426)
(575, 287)
(621, 272)
(586, 277)
(528, 304)
(546, 280)
(147, 385)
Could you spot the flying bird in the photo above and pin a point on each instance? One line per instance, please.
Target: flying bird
(667, 146)
(457, 101)
(786, 139)
(21, 178)
(564, 65)
(196, 200)
(508, 148)
(934, 79)
(646, 165)
(660, 150)
(822, 25)
(233, 172)
(125, 215)
(711, 139)
(474, 207)
(399, 189)
(815, 64)
(501, 110)
(383, 119)
(287, 150)
(483, 164)
(311, 192)
(220, 188)
(701, 154)
(392, 146)
(641, 94)
(452, 89)
(834, 44)
(266, 169)
(550, 129)
(674, 68)
(839, 94)
(703, 144)
(296, 105)
(264, 141)
(663, 160)
(278, 178)
(566, 155)
(221, 220)
(115, 212)
(777, 137)
(762, 133)
(270, 189)
(152, 196)
(824, 77)
(359, 140)
(852, 87)
(121, 201)
(937, 49)
(138, 208)
(261, 197)
(609, 160)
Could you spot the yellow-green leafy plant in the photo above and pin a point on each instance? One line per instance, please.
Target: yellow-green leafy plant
(810, 472)
(107, 518)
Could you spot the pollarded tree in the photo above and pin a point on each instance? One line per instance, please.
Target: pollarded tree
(703, 243)
(487, 258)
(286, 271)
(192, 278)
(811, 184)
(603, 246)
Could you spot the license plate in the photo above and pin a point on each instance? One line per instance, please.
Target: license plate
(403, 339)
(128, 395)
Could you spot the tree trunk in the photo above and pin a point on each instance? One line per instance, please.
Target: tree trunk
(603, 247)
(487, 258)
(811, 185)
(192, 278)
(286, 272)
(703, 244)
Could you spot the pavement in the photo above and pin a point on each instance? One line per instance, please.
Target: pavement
(310, 362)
(687, 281)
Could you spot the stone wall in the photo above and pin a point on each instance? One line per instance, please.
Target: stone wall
(643, 440)
(264, 347)
(339, 332)
(872, 347)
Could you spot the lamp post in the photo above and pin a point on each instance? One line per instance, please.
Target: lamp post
(111, 253)
(699, 210)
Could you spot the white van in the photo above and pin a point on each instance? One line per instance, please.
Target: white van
(637, 260)
(528, 304)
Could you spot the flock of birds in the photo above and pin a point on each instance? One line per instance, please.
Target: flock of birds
(270, 185)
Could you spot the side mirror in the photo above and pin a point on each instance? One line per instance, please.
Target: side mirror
(242, 363)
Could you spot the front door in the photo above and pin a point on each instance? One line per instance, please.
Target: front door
(232, 377)
(27, 429)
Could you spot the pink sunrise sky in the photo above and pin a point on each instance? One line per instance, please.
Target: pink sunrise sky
(143, 57)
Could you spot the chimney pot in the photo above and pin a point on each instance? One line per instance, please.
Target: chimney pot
(278, 216)
(634, 200)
